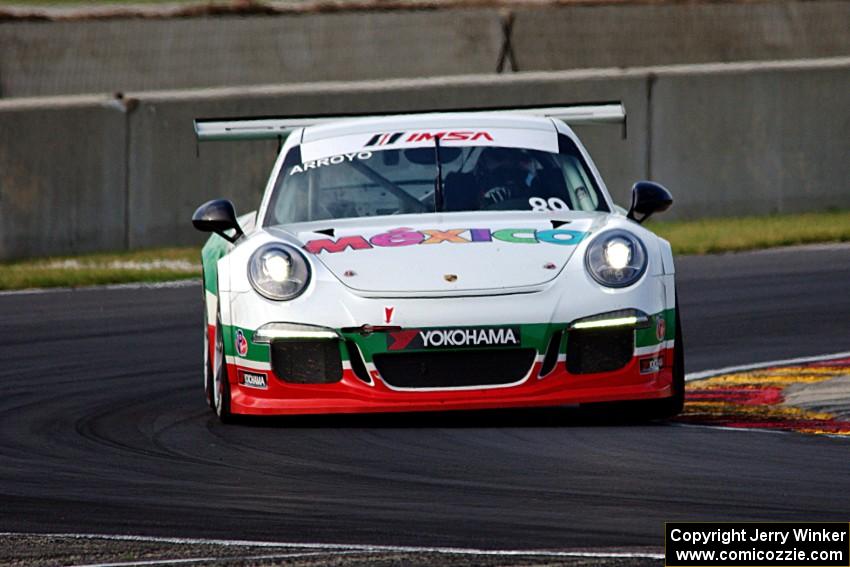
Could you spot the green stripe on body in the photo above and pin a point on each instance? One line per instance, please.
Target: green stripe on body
(256, 352)
(647, 337)
(536, 336)
(214, 249)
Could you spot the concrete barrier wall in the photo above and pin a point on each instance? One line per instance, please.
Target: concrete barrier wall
(678, 33)
(726, 139)
(86, 56)
(753, 141)
(48, 58)
(62, 177)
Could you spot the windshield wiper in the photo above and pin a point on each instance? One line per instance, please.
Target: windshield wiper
(438, 182)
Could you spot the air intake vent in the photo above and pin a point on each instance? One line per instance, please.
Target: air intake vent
(306, 361)
(357, 364)
(599, 350)
(454, 369)
(551, 358)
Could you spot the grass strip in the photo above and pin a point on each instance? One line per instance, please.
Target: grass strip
(714, 235)
(704, 236)
(163, 264)
(83, 4)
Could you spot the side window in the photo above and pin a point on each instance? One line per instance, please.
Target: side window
(579, 185)
(291, 203)
(584, 192)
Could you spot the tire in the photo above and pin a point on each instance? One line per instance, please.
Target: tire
(208, 374)
(678, 399)
(220, 382)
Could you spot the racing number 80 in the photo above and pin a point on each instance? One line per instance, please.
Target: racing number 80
(552, 204)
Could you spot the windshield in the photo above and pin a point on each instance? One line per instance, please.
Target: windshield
(376, 182)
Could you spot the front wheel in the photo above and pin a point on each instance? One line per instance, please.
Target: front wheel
(208, 373)
(220, 383)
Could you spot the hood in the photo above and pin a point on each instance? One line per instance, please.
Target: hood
(445, 253)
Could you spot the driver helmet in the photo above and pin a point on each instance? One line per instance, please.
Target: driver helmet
(503, 166)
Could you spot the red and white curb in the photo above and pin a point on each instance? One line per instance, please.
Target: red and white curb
(803, 395)
(703, 374)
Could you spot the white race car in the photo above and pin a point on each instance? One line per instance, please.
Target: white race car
(434, 262)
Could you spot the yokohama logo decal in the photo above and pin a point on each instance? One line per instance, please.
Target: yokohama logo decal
(452, 338)
(388, 138)
(253, 379)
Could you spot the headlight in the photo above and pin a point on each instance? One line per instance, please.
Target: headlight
(616, 258)
(278, 272)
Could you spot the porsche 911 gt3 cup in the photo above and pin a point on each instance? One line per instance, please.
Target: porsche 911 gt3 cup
(435, 262)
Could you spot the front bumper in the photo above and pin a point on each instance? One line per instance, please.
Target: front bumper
(645, 374)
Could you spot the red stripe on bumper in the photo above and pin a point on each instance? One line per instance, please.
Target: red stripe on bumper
(351, 395)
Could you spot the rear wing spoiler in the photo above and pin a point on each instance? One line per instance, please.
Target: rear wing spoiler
(277, 128)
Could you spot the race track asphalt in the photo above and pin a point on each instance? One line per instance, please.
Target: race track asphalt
(103, 429)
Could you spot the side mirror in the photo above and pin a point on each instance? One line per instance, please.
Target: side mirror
(217, 216)
(648, 198)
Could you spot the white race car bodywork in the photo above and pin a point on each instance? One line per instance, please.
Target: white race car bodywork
(461, 271)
